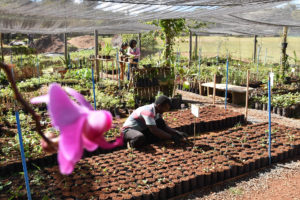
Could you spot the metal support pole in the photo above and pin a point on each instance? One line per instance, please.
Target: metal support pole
(96, 54)
(140, 45)
(23, 156)
(226, 91)
(93, 80)
(283, 50)
(66, 49)
(190, 48)
(196, 46)
(254, 50)
(247, 96)
(269, 109)
(2, 51)
(214, 92)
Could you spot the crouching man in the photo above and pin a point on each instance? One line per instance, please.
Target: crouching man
(146, 125)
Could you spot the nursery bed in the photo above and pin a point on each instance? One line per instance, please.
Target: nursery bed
(211, 118)
(258, 115)
(166, 170)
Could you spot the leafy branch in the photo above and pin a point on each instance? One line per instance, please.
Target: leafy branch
(19, 97)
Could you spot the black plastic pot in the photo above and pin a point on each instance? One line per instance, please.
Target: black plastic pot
(265, 106)
(286, 112)
(207, 179)
(233, 170)
(279, 111)
(220, 176)
(219, 78)
(200, 180)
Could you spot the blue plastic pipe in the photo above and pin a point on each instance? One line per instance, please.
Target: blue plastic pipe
(23, 157)
(93, 80)
(269, 109)
(227, 66)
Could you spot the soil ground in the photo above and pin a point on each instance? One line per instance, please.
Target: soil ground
(282, 181)
(82, 42)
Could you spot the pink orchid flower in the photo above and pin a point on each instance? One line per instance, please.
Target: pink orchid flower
(80, 126)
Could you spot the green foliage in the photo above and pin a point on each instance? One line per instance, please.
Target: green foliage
(279, 100)
(107, 49)
(159, 93)
(129, 99)
(22, 50)
(83, 74)
(170, 29)
(3, 79)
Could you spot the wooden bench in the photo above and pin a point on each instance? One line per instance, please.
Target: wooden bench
(238, 92)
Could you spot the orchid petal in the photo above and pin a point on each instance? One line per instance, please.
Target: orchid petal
(70, 143)
(97, 123)
(63, 111)
(65, 166)
(106, 145)
(79, 97)
(89, 145)
(40, 99)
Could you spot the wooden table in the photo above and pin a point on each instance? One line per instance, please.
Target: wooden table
(238, 92)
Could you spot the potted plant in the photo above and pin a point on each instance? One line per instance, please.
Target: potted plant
(219, 73)
(106, 51)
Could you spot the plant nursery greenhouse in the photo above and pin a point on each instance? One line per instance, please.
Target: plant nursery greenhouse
(148, 100)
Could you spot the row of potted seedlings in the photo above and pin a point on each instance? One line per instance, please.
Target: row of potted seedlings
(165, 170)
(181, 120)
(286, 105)
(185, 121)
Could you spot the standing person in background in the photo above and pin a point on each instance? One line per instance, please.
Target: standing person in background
(123, 56)
(133, 52)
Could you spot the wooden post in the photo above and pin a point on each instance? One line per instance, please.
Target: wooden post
(96, 54)
(196, 47)
(254, 50)
(190, 48)
(66, 48)
(200, 89)
(247, 95)
(2, 52)
(283, 50)
(214, 94)
(140, 45)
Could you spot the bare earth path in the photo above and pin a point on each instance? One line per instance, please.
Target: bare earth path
(280, 182)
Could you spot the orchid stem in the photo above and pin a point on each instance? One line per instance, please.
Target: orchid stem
(20, 98)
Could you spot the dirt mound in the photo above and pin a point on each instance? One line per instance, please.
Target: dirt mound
(49, 43)
(82, 42)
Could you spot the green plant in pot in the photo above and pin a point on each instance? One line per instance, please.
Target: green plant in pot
(106, 51)
(219, 73)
